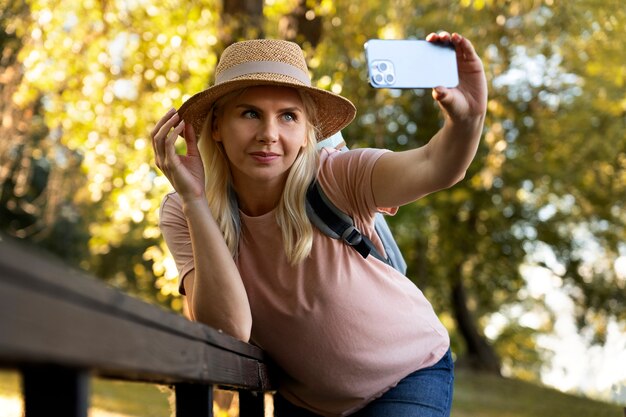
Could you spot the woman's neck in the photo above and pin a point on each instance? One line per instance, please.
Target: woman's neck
(258, 199)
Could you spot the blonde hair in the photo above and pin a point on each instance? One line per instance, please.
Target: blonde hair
(291, 216)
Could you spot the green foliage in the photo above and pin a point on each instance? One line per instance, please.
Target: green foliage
(107, 72)
(33, 196)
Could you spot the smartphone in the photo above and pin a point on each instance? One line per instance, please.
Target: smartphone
(410, 64)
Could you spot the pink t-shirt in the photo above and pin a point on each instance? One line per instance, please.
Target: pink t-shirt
(343, 329)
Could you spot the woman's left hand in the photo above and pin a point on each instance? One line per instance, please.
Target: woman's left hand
(468, 101)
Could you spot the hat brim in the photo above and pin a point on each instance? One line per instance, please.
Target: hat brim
(334, 112)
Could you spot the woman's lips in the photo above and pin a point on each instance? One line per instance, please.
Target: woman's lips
(264, 157)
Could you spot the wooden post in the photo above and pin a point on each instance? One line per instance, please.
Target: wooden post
(194, 400)
(55, 391)
(251, 404)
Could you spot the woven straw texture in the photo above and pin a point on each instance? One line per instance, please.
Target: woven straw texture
(262, 50)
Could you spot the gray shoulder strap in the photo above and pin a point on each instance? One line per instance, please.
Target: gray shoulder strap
(337, 224)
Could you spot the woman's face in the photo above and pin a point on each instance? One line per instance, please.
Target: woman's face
(262, 131)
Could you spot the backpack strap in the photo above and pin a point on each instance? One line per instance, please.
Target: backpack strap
(336, 224)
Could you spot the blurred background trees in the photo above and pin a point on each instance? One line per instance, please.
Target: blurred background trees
(541, 209)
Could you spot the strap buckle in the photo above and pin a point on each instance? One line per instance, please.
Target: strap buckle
(352, 236)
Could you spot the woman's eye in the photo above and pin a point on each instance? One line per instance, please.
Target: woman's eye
(290, 117)
(250, 114)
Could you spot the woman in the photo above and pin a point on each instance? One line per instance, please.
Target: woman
(351, 336)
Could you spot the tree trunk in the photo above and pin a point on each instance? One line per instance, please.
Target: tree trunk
(241, 20)
(480, 355)
(302, 25)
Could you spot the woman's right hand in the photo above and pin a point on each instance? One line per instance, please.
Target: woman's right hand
(185, 172)
(214, 290)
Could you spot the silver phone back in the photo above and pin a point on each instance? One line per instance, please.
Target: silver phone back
(410, 64)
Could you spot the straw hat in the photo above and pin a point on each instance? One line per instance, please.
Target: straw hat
(268, 62)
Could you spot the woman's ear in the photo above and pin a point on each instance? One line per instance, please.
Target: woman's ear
(307, 137)
(215, 131)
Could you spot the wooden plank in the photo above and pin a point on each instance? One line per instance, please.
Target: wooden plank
(32, 268)
(38, 328)
(53, 314)
(54, 391)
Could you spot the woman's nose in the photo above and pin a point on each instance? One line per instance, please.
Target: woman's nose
(268, 132)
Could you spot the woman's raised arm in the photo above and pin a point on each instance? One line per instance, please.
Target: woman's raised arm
(444, 160)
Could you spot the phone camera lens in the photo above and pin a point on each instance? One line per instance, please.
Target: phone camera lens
(382, 66)
(378, 78)
(390, 78)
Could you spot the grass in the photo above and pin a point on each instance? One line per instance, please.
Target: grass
(479, 395)
(475, 395)
(108, 398)
(131, 398)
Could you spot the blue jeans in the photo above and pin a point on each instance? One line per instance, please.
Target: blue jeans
(424, 393)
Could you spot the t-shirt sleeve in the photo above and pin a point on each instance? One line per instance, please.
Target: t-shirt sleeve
(173, 225)
(346, 178)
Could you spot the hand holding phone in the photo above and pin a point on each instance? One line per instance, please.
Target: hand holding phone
(411, 64)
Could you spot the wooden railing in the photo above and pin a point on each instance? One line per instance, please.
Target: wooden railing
(59, 327)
